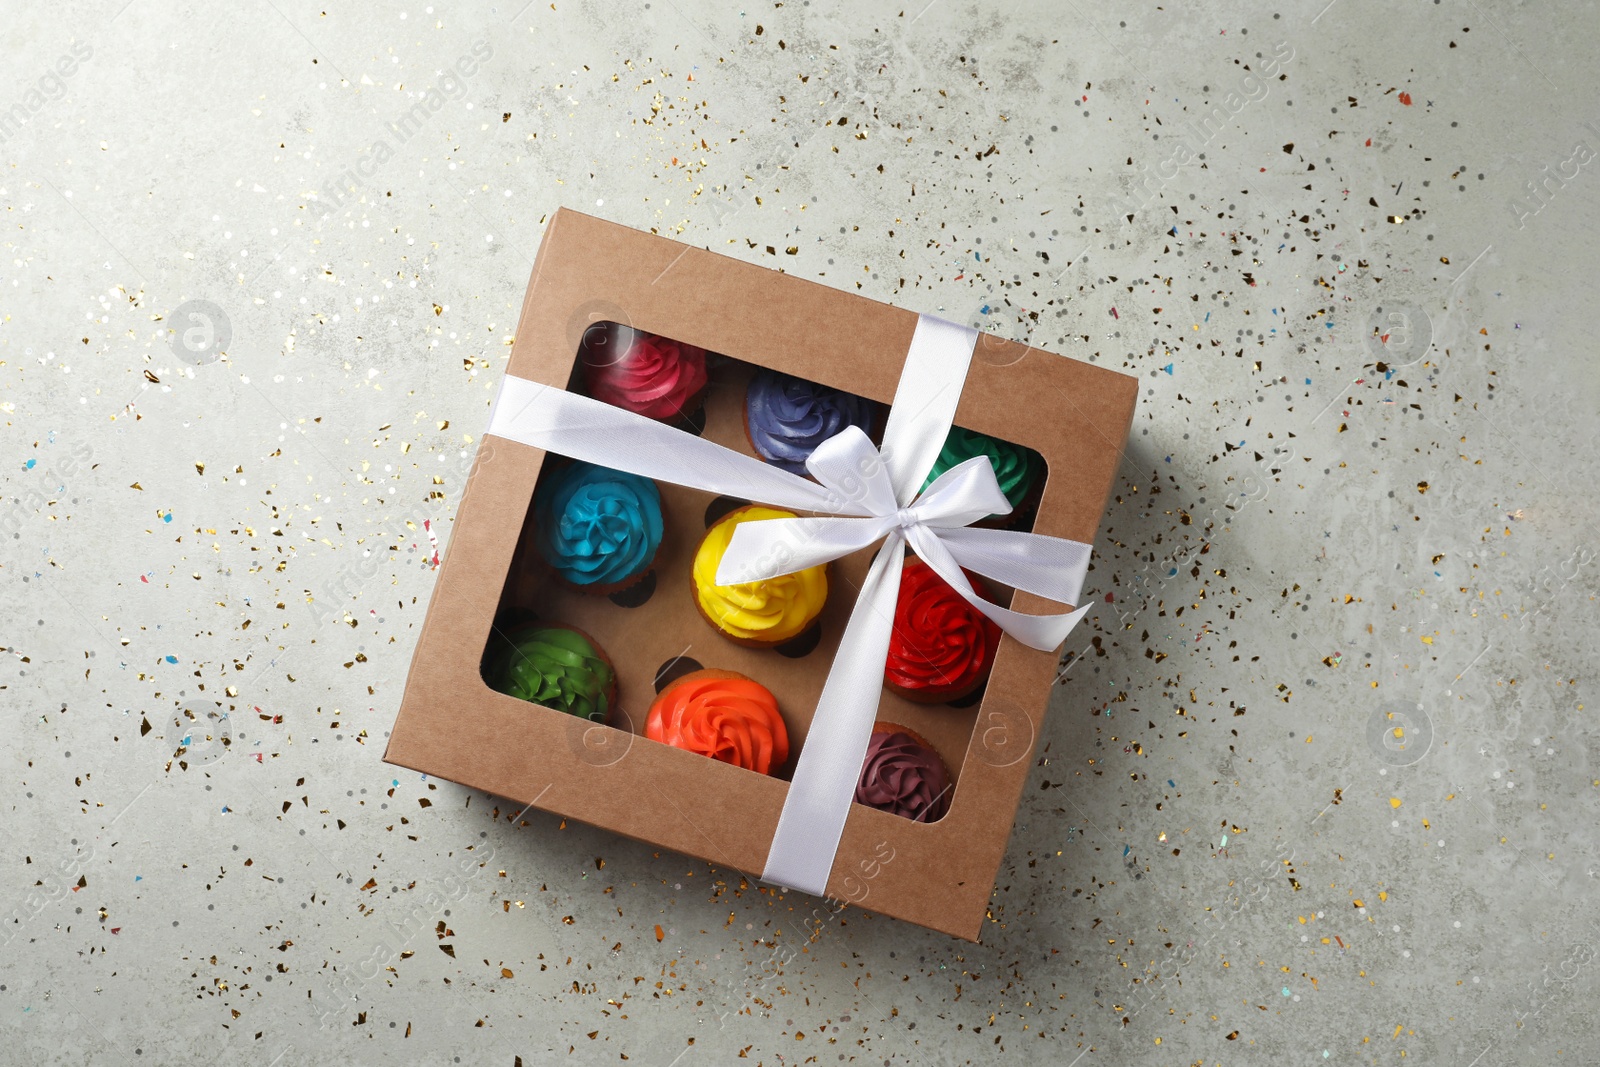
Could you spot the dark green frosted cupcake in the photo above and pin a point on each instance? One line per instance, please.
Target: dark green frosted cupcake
(556, 666)
(1016, 468)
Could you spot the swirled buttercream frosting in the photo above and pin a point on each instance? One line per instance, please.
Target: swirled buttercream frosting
(767, 612)
(787, 417)
(555, 666)
(940, 643)
(643, 373)
(597, 527)
(723, 715)
(903, 776)
(1016, 468)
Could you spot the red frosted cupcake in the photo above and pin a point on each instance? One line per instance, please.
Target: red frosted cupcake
(641, 372)
(942, 647)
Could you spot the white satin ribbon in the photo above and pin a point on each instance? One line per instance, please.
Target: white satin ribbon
(864, 494)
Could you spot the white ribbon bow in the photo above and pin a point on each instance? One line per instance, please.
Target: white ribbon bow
(937, 527)
(864, 495)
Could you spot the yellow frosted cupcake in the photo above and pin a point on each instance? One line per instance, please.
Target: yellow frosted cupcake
(759, 614)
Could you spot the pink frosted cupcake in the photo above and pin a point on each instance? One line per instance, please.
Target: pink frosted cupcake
(641, 372)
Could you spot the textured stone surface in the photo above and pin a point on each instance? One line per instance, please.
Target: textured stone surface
(1318, 537)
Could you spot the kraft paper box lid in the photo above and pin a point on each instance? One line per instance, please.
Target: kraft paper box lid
(452, 725)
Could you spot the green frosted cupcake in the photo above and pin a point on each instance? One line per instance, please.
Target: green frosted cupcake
(556, 666)
(1016, 468)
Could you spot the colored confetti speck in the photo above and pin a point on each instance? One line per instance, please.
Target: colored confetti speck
(171, 659)
(1405, 98)
(28, 466)
(433, 539)
(1168, 368)
(1285, 990)
(1126, 849)
(166, 516)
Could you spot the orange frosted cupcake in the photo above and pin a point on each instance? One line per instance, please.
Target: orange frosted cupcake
(758, 614)
(723, 715)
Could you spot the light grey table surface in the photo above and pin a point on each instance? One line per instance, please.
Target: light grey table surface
(1348, 251)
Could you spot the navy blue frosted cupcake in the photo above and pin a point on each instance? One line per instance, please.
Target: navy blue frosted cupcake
(599, 529)
(787, 418)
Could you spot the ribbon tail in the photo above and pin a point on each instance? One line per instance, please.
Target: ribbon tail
(1043, 632)
(824, 784)
(1051, 567)
(557, 421)
(766, 549)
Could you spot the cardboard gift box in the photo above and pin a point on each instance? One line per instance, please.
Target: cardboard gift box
(451, 724)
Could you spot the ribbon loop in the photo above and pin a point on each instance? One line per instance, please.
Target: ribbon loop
(854, 474)
(961, 495)
(771, 547)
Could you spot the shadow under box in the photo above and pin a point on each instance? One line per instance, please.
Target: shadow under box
(654, 633)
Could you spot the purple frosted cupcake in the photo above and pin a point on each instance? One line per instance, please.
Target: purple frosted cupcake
(902, 774)
(786, 418)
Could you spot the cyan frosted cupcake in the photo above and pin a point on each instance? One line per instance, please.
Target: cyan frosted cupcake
(597, 528)
(786, 418)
